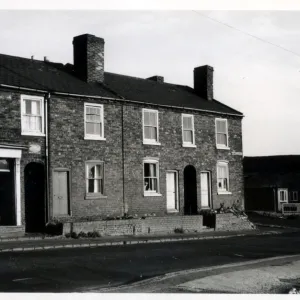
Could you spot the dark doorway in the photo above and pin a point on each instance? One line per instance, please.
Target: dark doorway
(7, 192)
(190, 190)
(34, 198)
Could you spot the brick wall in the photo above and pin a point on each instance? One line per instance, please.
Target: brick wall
(172, 156)
(10, 133)
(68, 149)
(229, 222)
(155, 225)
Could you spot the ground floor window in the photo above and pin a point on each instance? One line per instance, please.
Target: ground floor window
(95, 177)
(151, 178)
(223, 177)
(283, 195)
(294, 196)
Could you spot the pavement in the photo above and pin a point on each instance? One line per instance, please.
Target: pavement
(275, 275)
(39, 243)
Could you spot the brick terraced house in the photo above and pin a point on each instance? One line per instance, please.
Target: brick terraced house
(77, 143)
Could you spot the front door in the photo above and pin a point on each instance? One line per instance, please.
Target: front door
(172, 201)
(7, 192)
(205, 189)
(60, 193)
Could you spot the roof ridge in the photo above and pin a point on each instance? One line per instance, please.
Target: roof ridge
(20, 57)
(144, 79)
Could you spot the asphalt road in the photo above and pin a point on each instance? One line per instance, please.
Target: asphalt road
(77, 270)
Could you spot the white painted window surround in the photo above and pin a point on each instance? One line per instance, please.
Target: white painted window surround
(94, 179)
(150, 127)
(223, 177)
(151, 177)
(221, 126)
(93, 121)
(32, 115)
(294, 196)
(188, 130)
(16, 154)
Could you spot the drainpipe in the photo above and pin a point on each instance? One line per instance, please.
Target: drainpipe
(47, 98)
(123, 161)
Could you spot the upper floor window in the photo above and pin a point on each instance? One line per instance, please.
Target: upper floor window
(188, 132)
(223, 177)
(150, 126)
(32, 115)
(222, 133)
(93, 121)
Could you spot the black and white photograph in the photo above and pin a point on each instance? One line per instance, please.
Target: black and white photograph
(150, 151)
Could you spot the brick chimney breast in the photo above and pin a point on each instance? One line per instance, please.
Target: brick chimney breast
(89, 57)
(204, 82)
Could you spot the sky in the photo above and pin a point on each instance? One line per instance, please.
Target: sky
(257, 78)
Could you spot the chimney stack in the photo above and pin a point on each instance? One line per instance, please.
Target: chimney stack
(89, 57)
(204, 82)
(156, 78)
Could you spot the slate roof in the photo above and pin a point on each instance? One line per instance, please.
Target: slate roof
(36, 74)
(56, 77)
(270, 164)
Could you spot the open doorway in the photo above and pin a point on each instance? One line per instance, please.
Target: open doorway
(190, 190)
(35, 216)
(7, 192)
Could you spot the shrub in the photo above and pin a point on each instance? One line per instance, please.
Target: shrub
(178, 230)
(82, 234)
(68, 235)
(74, 235)
(93, 234)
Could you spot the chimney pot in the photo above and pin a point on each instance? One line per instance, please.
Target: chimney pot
(89, 57)
(45, 58)
(32, 57)
(203, 82)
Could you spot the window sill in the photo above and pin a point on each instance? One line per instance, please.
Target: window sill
(94, 197)
(94, 138)
(224, 193)
(152, 194)
(189, 146)
(33, 134)
(151, 143)
(221, 147)
(172, 211)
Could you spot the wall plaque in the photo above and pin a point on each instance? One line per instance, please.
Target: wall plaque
(34, 148)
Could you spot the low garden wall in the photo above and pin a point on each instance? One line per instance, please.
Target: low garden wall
(158, 225)
(149, 225)
(230, 222)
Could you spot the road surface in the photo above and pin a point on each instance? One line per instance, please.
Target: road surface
(83, 269)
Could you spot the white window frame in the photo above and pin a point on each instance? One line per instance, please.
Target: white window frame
(94, 136)
(223, 191)
(88, 194)
(23, 111)
(150, 141)
(221, 146)
(151, 193)
(293, 198)
(285, 193)
(187, 144)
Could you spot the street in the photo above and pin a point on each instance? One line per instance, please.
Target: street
(86, 269)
